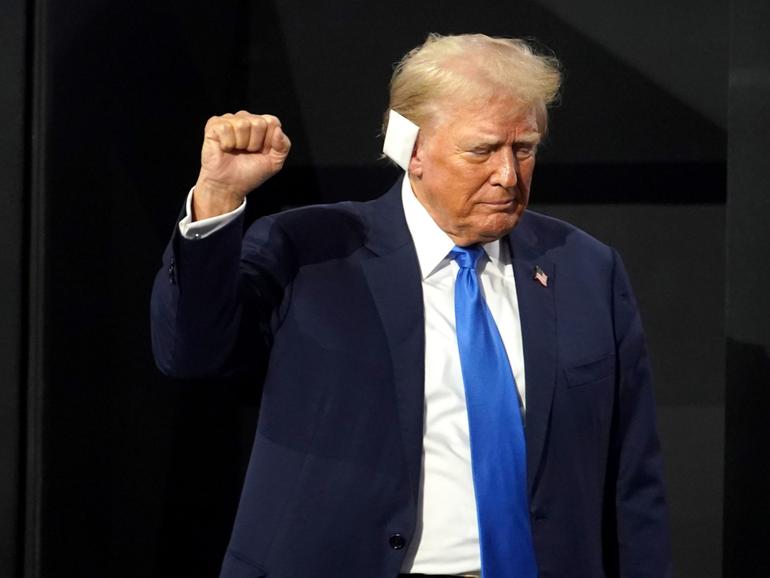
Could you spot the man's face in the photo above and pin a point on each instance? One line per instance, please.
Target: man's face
(472, 168)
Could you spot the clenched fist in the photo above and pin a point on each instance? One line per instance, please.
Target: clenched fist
(240, 152)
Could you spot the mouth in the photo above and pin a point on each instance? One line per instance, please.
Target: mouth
(500, 205)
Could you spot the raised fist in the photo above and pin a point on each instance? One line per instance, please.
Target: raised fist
(240, 152)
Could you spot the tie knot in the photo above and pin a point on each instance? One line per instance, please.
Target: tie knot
(467, 257)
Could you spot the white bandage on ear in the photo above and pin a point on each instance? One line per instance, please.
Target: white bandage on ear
(399, 139)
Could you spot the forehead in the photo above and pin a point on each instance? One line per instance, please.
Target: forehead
(500, 118)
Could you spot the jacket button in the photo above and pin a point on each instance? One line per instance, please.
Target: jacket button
(397, 541)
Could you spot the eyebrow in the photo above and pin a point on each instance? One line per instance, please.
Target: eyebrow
(530, 138)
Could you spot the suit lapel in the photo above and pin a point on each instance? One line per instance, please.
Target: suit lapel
(538, 328)
(393, 275)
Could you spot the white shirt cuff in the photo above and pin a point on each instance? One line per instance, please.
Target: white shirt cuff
(201, 229)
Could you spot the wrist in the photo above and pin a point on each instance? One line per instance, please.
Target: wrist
(211, 199)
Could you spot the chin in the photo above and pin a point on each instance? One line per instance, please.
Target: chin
(487, 228)
(499, 227)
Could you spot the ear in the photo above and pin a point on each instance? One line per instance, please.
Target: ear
(418, 154)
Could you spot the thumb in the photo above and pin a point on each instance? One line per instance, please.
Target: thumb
(279, 143)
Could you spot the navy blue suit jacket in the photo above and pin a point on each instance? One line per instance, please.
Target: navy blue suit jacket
(332, 486)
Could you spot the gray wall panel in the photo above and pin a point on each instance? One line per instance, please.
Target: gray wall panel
(675, 258)
(693, 453)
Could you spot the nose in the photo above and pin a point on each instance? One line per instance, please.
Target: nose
(506, 169)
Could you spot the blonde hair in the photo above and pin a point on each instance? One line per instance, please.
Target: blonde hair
(472, 68)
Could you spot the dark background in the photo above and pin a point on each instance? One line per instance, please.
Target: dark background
(108, 469)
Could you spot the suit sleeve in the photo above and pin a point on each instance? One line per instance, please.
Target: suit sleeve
(642, 515)
(214, 299)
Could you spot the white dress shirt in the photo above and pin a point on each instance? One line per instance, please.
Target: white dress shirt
(446, 540)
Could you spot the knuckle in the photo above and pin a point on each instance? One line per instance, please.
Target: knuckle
(271, 120)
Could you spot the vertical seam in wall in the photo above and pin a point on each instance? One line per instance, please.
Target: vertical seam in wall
(34, 378)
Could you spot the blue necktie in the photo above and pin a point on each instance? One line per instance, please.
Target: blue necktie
(498, 448)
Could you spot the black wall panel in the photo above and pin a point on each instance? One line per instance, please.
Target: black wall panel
(140, 475)
(13, 211)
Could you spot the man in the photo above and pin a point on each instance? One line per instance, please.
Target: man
(455, 386)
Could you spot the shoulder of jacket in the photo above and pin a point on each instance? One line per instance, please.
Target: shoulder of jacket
(557, 234)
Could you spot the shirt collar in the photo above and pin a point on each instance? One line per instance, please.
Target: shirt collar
(430, 242)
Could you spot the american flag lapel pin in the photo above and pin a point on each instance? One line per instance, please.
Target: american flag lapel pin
(540, 276)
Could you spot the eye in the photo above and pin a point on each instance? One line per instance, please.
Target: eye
(524, 152)
(477, 154)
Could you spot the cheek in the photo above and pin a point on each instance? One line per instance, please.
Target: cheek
(527, 170)
(457, 192)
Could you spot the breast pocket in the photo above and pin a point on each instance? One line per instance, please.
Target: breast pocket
(592, 371)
